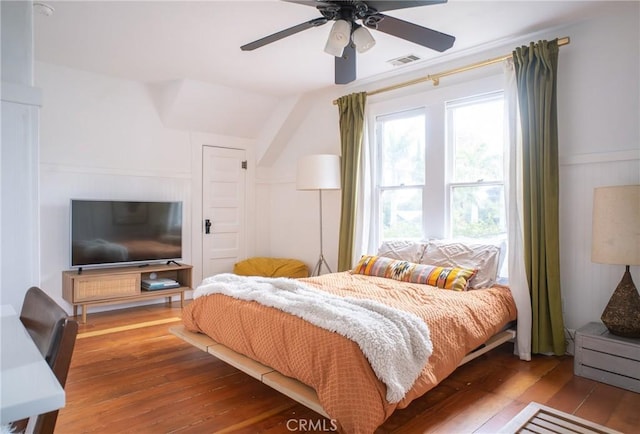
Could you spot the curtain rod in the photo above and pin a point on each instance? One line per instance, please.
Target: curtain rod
(436, 77)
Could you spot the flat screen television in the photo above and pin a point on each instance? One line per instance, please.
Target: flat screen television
(109, 232)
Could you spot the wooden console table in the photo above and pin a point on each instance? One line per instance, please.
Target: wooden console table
(121, 285)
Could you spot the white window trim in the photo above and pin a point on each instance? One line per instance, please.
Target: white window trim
(449, 183)
(436, 197)
(379, 188)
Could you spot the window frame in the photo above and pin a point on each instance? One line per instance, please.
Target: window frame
(436, 205)
(450, 184)
(379, 187)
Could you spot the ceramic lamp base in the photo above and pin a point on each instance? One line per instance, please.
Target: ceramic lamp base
(622, 314)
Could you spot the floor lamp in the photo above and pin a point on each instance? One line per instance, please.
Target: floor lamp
(319, 172)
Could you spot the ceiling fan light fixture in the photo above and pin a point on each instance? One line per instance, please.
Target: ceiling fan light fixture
(346, 38)
(362, 39)
(338, 38)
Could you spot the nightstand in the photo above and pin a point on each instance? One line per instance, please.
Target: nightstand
(607, 358)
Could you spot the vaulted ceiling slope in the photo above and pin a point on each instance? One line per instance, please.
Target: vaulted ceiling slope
(186, 50)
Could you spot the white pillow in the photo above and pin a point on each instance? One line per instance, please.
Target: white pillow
(482, 257)
(405, 250)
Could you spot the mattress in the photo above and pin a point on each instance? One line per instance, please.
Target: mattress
(333, 365)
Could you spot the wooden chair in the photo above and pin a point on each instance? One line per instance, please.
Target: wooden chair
(55, 336)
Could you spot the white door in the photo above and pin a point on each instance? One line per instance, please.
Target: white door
(223, 208)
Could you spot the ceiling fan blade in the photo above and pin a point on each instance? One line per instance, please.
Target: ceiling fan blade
(378, 5)
(284, 33)
(345, 66)
(313, 3)
(412, 32)
(390, 5)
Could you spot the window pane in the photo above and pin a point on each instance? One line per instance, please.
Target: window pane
(402, 149)
(401, 213)
(477, 139)
(478, 211)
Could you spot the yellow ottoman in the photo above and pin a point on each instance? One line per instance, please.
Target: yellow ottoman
(271, 267)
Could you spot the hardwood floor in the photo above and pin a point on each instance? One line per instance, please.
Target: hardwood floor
(128, 374)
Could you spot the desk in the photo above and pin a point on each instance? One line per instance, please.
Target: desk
(28, 386)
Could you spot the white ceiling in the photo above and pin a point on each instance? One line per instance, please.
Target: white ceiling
(158, 41)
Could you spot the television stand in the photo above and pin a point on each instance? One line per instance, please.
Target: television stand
(96, 286)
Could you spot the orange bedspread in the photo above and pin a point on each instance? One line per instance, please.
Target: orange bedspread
(333, 365)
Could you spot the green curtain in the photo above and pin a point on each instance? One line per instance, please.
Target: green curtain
(351, 109)
(536, 74)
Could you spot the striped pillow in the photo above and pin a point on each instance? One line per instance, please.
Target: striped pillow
(404, 271)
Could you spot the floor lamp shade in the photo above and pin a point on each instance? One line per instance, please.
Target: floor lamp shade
(616, 240)
(318, 172)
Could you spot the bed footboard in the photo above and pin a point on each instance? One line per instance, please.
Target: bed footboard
(288, 386)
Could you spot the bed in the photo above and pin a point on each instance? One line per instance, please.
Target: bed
(328, 372)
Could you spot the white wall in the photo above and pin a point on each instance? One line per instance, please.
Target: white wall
(101, 138)
(19, 237)
(293, 216)
(599, 133)
(599, 125)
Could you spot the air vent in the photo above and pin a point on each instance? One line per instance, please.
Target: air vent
(399, 61)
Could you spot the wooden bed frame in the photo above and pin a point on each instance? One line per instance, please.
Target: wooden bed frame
(288, 386)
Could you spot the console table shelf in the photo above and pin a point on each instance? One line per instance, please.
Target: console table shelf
(121, 284)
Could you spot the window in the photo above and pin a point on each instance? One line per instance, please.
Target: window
(400, 139)
(475, 141)
(437, 166)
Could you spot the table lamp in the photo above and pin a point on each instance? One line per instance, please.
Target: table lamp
(616, 240)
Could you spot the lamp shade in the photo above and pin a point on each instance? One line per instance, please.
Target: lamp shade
(318, 172)
(616, 225)
(362, 39)
(339, 38)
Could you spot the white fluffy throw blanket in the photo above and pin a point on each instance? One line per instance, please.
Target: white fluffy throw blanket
(396, 343)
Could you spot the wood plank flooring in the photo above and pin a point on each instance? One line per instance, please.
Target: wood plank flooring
(129, 375)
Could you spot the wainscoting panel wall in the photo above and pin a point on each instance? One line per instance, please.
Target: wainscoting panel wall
(60, 184)
(588, 285)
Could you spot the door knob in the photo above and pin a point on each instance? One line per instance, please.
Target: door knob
(207, 226)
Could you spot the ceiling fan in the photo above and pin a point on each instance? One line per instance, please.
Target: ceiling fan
(348, 36)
